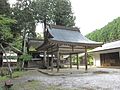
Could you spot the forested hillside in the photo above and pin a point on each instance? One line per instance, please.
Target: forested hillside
(109, 33)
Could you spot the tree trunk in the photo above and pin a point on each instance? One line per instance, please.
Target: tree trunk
(10, 70)
(22, 65)
(24, 46)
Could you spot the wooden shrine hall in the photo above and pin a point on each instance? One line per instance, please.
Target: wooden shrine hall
(60, 40)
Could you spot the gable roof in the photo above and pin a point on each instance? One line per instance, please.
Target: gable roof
(35, 43)
(68, 40)
(107, 46)
(66, 35)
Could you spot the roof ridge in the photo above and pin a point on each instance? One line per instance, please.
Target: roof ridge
(36, 39)
(64, 27)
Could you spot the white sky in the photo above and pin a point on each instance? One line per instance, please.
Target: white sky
(92, 14)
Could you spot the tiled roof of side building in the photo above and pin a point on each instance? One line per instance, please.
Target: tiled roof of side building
(107, 46)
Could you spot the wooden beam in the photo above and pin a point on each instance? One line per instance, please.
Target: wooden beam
(86, 64)
(77, 61)
(70, 48)
(70, 61)
(46, 46)
(53, 51)
(51, 47)
(67, 52)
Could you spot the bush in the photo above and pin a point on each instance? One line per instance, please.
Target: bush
(4, 71)
(90, 59)
(25, 57)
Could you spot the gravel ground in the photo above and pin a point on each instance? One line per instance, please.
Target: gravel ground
(95, 79)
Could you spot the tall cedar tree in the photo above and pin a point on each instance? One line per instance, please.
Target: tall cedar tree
(30, 12)
(57, 12)
(5, 8)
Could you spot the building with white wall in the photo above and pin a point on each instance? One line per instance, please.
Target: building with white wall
(107, 55)
(12, 54)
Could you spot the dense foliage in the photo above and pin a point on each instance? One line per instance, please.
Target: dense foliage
(5, 8)
(109, 33)
(5, 30)
(8, 33)
(25, 57)
(57, 12)
(24, 15)
(29, 13)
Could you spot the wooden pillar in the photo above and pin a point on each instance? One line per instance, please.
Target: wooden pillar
(70, 61)
(77, 61)
(47, 64)
(45, 59)
(86, 64)
(52, 61)
(58, 61)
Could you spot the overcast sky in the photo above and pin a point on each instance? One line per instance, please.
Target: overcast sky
(93, 14)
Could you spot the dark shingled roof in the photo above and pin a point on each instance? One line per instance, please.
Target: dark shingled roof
(70, 35)
(35, 43)
(69, 40)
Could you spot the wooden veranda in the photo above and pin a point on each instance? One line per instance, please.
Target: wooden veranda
(60, 40)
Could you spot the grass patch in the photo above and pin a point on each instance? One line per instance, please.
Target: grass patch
(17, 74)
(3, 78)
(33, 85)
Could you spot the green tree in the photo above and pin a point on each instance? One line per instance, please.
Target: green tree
(5, 8)
(6, 36)
(63, 13)
(8, 29)
(5, 30)
(109, 33)
(57, 12)
(30, 12)
(24, 15)
(23, 58)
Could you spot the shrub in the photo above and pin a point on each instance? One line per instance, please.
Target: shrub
(25, 57)
(4, 71)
